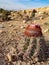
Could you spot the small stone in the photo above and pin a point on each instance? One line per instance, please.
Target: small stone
(48, 17)
(36, 59)
(48, 62)
(47, 30)
(1, 31)
(28, 63)
(14, 58)
(41, 17)
(1, 55)
(10, 25)
(1, 26)
(19, 63)
(10, 32)
(37, 63)
(2, 61)
(48, 59)
(9, 57)
(10, 63)
(21, 27)
(35, 21)
(24, 21)
(23, 63)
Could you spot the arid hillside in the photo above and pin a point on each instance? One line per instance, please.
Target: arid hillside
(13, 40)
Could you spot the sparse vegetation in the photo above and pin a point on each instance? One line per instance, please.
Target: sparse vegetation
(5, 14)
(15, 47)
(25, 12)
(33, 13)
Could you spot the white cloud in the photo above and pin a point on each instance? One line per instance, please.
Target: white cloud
(16, 4)
(23, 0)
(9, 4)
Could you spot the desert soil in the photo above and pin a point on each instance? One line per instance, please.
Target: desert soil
(12, 33)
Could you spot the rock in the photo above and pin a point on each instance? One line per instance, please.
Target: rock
(48, 62)
(14, 58)
(8, 57)
(2, 59)
(1, 26)
(10, 25)
(37, 63)
(42, 63)
(1, 55)
(35, 21)
(21, 27)
(41, 17)
(20, 55)
(12, 54)
(10, 63)
(29, 63)
(48, 16)
(19, 63)
(24, 21)
(48, 59)
(36, 59)
(12, 50)
(40, 12)
(1, 30)
(47, 30)
(23, 63)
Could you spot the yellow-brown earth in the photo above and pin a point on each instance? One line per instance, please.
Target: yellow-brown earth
(12, 32)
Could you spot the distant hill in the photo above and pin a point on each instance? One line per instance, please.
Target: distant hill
(23, 14)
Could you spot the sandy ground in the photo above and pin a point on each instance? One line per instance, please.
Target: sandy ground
(12, 32)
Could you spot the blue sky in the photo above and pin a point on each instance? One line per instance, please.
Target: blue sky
(23, 4)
